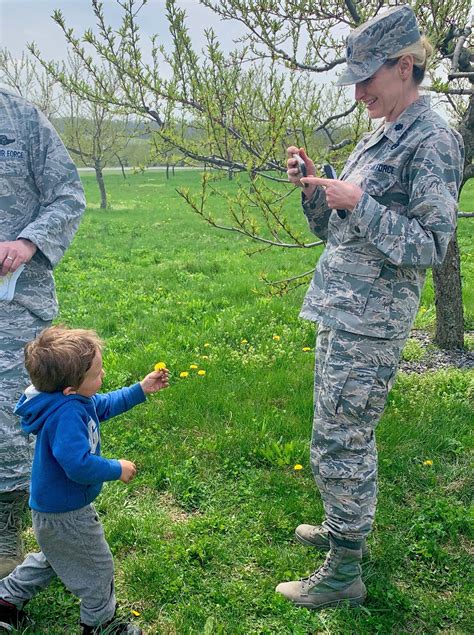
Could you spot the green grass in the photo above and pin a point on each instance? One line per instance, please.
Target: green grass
(204, 533)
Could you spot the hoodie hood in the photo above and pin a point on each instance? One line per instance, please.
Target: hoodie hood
(35, 407)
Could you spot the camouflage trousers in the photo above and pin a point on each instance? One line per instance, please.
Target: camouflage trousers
(17, 326)
(353, 376)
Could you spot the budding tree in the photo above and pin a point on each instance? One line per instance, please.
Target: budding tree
(94, 135)
(23, 76)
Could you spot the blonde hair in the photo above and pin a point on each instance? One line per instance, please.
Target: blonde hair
(60, 357)
(421, 51)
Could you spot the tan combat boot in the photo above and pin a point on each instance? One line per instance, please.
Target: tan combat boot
(317, 536)
(12, 505)
(337, 581)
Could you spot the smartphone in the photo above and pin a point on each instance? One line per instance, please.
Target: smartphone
(301, 164)
(330, 173)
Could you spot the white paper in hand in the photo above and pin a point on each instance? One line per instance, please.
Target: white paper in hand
(8, 284)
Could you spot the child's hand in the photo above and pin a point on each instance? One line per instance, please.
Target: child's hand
(155, 381)
(129, 470)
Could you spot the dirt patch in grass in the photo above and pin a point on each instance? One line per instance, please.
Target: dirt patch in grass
(434, 358)
(176, 513)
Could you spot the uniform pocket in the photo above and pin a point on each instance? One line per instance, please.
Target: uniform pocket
(355, 391)
(365, 392)
(349, 284)
(13, 167)
(333, 380)
(13, 156)
(377, 184)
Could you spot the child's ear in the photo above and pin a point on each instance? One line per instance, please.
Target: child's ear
(69, 390)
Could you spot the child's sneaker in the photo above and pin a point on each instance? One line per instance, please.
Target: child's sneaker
(113, 627)
(11, 618)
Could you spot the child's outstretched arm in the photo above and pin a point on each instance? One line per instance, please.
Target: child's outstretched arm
(114, 403)
(155, 381)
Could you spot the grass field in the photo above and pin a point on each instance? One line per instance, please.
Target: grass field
(205, 532)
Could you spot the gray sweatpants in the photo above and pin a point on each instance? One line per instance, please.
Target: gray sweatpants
(353, 376)
(73, 548)
(17, 327)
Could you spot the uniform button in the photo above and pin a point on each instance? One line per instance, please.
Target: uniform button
(399, 126)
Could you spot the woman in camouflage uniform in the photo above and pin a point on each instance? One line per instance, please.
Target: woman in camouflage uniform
(399, 190)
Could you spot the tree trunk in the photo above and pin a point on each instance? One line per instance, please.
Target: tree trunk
(122, 167)
(167, 169)
(100, 180)
(448, 300)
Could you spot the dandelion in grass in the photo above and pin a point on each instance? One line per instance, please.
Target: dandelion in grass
(201, 373)
(244, 341)
(277, 338)
(206, 344)
(298, 467)
(204, 356)
(160, 366)
(135, 613)
(428, 462)
(306, 349)
(193, 366)
(183, 374)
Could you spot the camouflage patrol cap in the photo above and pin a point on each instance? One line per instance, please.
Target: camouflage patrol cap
(371, 44)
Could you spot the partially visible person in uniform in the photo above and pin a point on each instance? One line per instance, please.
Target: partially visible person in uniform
(41, 203)
(390, 216)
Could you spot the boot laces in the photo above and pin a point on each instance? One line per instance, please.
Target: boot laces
(320, 573)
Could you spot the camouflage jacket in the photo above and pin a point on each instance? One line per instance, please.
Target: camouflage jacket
(41, 198)
(370, 276)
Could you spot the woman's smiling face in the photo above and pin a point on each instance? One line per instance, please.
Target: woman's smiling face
(388, 91)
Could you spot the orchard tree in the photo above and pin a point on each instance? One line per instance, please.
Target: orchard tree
(91, 134)
(29, 80)
(249, 104)
(95, 138)
(94, 135)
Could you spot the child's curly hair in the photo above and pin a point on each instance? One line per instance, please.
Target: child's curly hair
(60, 357)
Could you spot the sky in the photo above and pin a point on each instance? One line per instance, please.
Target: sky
(23, 21)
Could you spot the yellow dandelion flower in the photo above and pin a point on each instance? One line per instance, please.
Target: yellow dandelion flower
(160, 366)
(298, 467)
(204, 356)
(135, 613)
(201, 372)
(306, 349)
(277, 338)
(206, 344)
(244, 341)
(183, 374)
(193, 366)
(428, 462)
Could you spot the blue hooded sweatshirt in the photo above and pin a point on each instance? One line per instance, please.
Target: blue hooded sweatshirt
(68, 471)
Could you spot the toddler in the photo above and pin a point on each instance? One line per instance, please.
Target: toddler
(64, 411)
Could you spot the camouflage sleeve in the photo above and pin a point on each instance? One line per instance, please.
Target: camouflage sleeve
(61, 196)
(421, 238)
(317, 213)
